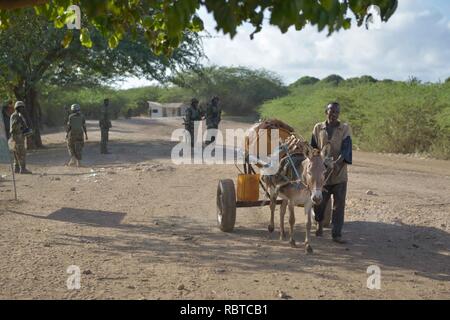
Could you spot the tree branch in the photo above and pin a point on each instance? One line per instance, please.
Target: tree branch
(16, 4)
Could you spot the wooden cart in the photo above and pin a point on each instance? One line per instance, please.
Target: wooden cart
(226, 199)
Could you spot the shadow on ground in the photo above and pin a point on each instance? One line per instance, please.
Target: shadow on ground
(176, 239)
(121, 152)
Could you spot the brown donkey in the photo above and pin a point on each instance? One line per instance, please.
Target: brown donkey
(308, 165)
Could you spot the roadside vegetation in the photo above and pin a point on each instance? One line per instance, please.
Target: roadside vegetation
(241, 91)
(385, 116)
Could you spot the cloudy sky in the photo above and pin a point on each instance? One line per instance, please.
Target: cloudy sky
(415, 42)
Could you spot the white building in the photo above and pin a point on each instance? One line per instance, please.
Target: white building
(158, 110)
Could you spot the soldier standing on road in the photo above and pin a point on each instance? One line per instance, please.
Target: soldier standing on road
(338, 135)
(193, 113)
(76, 126)
(18, 129)
(105, 125)
(213, 116)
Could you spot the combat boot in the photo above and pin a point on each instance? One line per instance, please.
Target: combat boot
(24, 170)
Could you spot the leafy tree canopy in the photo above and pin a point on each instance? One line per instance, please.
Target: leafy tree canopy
(241, 90)
(361, 80)
(165, 21)
(44, 56)
(333, 79)
(305, 81)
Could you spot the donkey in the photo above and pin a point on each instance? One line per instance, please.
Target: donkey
(307, 191)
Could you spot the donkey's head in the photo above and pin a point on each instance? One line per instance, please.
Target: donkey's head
(314, 170)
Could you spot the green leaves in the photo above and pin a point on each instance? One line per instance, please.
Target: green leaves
(197, 24)
(113, 41)
(165, 21)
(67, 39)
(85, 38)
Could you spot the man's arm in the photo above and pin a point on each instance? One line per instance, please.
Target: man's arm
(346, 150)
(314, 142)
(13, 125)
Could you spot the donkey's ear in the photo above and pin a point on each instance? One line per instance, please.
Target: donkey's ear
(326, 150)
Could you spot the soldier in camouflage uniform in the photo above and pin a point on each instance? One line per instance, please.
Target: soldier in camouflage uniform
(193, 113)
(76, 126)
(213, 116)
(105, 125)
(18, 127)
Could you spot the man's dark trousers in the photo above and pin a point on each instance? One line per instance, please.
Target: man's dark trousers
(339, 192)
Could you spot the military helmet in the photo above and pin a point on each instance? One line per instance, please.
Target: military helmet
(19, 104)
(75, 107)
(194, 100)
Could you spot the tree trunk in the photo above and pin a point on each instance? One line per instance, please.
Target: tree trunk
(32, 114)
(34, 141)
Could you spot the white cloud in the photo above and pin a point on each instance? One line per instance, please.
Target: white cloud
(414, 42)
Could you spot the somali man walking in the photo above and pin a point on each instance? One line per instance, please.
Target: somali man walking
(338, 135)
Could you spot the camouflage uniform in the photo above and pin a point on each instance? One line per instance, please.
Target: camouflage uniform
(18, 125)
(192, 114)
(105, 125)
(213, 115)
(76, 127)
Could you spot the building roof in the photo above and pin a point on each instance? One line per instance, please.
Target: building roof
(174, 105)
(154, 104)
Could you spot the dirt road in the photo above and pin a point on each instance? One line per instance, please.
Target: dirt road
(140, 227)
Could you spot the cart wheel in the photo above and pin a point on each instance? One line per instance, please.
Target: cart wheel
(226, 205)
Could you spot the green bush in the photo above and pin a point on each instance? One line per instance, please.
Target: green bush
(53, 100)
(304, 81)
(385, 117)
(360, 80)
(333, 80)
(241, 90)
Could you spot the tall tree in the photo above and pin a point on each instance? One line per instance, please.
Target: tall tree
(48, 55)
(241, 90)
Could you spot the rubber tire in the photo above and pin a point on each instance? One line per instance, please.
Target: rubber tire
(226, 205)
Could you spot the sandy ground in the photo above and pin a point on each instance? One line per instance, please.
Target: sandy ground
(140, 227)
